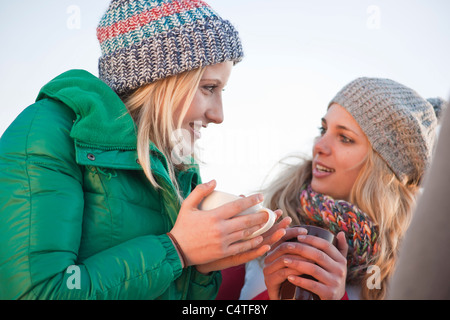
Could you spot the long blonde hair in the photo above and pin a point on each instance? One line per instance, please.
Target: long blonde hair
(386, 200)
(152, 108)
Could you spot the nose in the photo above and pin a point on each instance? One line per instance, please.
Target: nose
(214, 114)
(322, 145)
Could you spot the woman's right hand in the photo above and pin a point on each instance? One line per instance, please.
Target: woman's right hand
(205, 236)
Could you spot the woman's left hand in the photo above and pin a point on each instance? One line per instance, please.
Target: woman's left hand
(312, 256)
(270, 237)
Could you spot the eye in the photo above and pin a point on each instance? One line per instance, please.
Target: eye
(345, 139)
(322, 130)
(210, 88)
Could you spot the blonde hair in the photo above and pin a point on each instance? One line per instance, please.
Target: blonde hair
(386, 200)
(152, 108)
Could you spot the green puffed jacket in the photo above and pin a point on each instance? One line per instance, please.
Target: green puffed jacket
(78, 218)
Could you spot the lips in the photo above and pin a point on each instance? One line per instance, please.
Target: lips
(321, 171)
(196, 127)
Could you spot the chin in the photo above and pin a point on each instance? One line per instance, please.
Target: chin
(326, 190)
(319, 187)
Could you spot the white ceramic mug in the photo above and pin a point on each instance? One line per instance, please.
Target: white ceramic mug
(219, 198)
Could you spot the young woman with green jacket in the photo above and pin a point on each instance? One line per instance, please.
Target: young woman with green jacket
(98, 198)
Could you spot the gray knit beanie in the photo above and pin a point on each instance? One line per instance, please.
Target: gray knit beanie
(399, 124)
(146, 40)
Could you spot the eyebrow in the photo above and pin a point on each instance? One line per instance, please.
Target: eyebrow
(217, 81)
(342, 127)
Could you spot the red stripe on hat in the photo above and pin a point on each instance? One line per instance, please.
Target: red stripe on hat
(135, 22)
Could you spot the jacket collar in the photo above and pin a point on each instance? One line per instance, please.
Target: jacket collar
(102, 120)
(104, 132)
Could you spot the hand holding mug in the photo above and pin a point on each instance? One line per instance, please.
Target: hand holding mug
(219, 198)
(208, 235)
(324, 264)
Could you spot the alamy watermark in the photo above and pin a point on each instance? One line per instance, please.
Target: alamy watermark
(183, 141)
(374, 280)
(74, 280)
(73, 21)
(374, 17)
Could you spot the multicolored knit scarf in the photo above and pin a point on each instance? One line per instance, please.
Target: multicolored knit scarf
(338, 215)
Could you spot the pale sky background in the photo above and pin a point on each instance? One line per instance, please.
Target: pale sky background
(299, 54)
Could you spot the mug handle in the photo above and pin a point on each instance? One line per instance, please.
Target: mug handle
(270, 222)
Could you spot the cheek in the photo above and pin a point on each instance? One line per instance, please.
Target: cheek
(195, 108)
(351, 161)
(348, 178)
(350, 168)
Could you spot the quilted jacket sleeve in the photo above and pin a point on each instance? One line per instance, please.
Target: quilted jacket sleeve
(41, 214)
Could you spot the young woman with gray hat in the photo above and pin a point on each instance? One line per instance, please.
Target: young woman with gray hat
(376, 141)
(97, 200)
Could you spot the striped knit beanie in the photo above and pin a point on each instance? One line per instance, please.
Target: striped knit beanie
(399, 123)
(147, 40)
